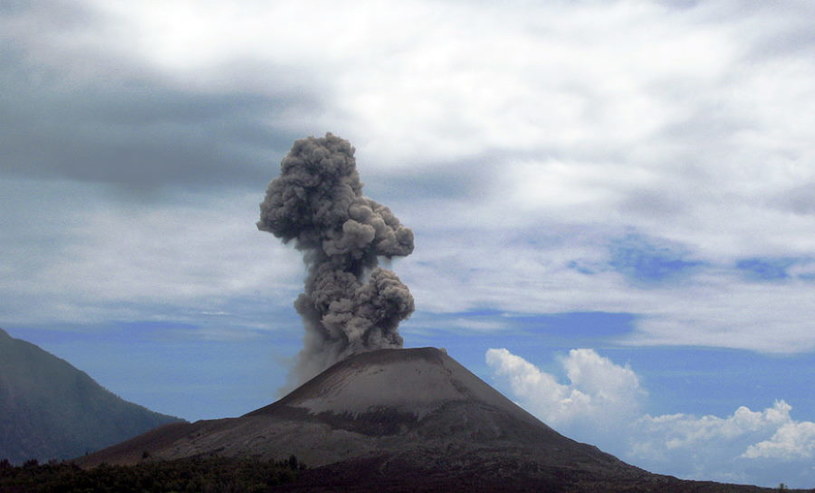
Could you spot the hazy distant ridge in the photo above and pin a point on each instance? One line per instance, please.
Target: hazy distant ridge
(51, 410)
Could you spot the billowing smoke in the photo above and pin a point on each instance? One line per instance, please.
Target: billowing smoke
(349, 305)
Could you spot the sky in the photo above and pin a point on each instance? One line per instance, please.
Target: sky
(613, 204)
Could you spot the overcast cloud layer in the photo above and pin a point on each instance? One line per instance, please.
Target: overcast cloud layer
(624, 157)
(655, 159)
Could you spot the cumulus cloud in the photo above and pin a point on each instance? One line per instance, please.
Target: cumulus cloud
(765, 447)
(790, 441)
(599, 394)
(669, 437)
(603, 403)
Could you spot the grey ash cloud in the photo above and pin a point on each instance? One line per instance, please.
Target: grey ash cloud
(350, 305)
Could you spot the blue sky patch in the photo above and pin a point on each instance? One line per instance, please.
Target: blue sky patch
(766, 269)
(727, 378)
(579, 324)
(646, 260)
(583, 267)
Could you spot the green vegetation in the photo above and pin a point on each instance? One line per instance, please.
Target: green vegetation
(212, 474)
(51, 410)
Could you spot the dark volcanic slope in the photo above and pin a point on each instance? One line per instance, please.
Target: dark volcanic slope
(51, 410)
(403, 420)
(422, 394)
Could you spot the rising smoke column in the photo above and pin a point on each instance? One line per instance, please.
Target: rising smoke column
(349, 305)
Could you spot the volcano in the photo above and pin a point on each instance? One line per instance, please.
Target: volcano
(402, 420)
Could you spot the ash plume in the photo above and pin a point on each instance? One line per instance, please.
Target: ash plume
(349, 305)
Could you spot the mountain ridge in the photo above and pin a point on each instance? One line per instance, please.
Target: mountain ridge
(52, 410)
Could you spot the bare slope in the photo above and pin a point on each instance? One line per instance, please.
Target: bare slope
(411, 382)
(51, 410)
(403, 420)
(391, 400)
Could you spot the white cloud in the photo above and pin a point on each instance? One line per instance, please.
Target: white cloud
(562, 127)
(667, 433)
(583, 123)
(603, 404)
(126, 262)
(599, 393)
(790, 441)
(538, 270)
